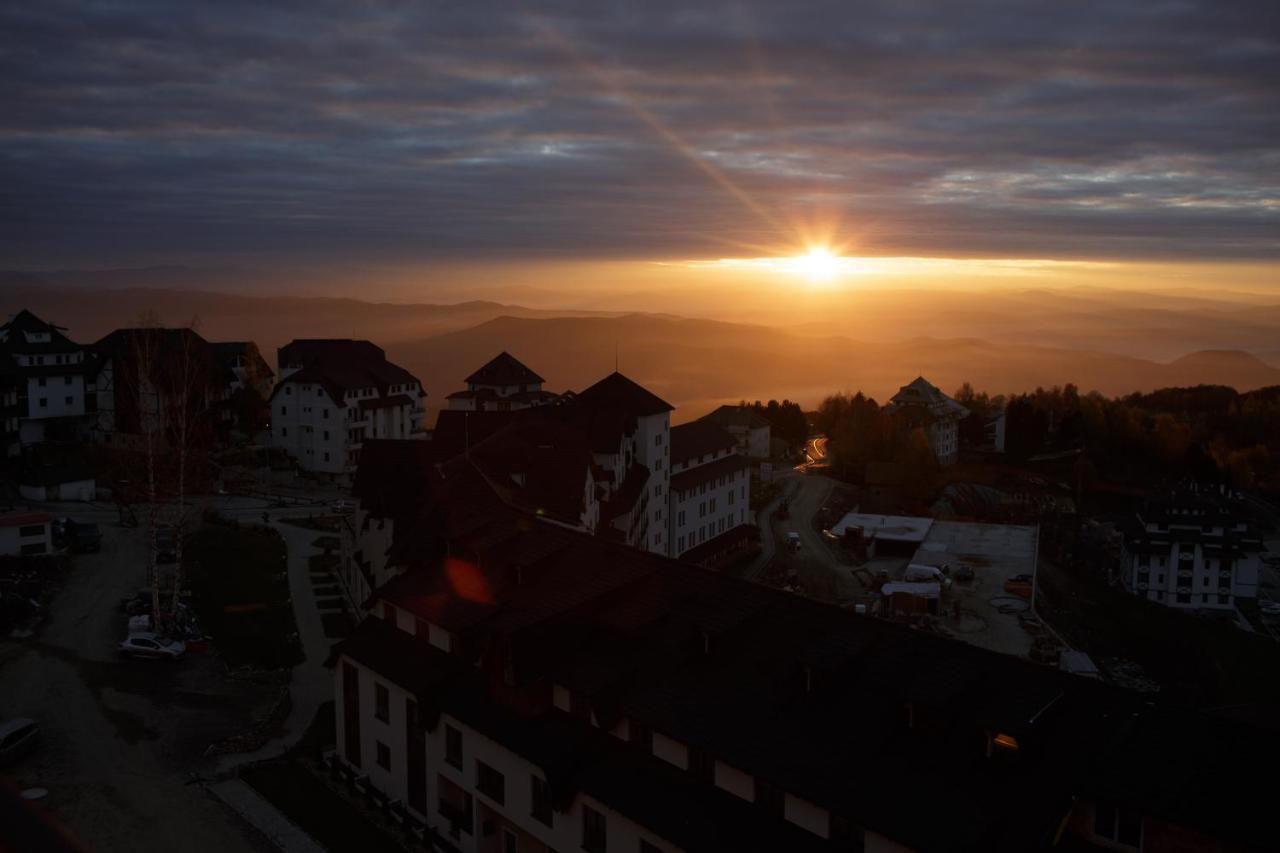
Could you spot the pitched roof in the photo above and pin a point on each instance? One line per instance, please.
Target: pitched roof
(689, 442)
(921, 393)
(616, 391)
(24, 322)
(708, 472)
(739, 416)
(504, 369)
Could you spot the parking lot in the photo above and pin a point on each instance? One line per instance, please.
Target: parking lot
(122, 738)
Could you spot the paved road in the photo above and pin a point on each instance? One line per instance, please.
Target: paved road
(119, 735)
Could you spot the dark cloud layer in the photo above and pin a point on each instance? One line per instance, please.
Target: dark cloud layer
(1124, 128)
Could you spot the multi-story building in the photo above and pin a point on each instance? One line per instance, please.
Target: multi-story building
(748, 427)
(44, 393)
(247, 366)
(503, 384)
(922, 404)
(25, 533)
(333, 395)
(523, 686)
(148, 378)
(1192, 549)
(710, 492)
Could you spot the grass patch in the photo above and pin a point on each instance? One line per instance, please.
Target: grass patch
(241, 591)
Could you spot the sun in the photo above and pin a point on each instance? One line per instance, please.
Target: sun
(818, 264)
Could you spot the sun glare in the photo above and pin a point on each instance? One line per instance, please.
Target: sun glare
(818, 264)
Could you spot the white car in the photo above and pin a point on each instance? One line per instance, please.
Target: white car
(149, 645)
(343, 507)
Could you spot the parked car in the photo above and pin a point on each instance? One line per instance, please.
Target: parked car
(149, 645)
(166, 544)
(344, 507)
(83, 536)
(793, 540)
(18, 737)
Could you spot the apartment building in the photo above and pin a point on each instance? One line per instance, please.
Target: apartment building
(146, 378)
(750, 430)
(920, 403)
(335, 394)
(44, 383)
(526, 686)
(1192, 549)
(503, 384)
(710, 492)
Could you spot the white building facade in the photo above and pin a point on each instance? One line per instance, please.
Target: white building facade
(710, 488)
(1192, 552)
(922, 404)
(48, 384)
(335, 395)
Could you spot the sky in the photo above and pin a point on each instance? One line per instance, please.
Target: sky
(1125, 131)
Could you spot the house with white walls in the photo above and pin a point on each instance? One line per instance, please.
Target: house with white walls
(922, 404)
(45, 380)
(710, 514)
(335, 394)
(502, 384)
(522, 685)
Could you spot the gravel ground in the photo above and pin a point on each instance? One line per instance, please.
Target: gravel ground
(121, 738)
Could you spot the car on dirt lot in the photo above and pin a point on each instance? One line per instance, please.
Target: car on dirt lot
(18, 737)
(149, 645)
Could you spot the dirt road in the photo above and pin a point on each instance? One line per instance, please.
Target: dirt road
(120, 737)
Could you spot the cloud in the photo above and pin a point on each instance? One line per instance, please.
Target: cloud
(1129, 128)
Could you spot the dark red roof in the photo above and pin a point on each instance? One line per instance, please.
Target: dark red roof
(386, 402)
(616, 391)
(17, 519)
(691, 441)
(504, 369)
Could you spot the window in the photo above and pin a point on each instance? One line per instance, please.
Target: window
(453, 746)
(680, 518)
(324, 413)
(541, 799)
(326, 457)
(44, 403)
(593, 830)
(66, 380)
(769, 797)
(384, 755)
(1123, 826)
(702, 510)
(510, 842)
(284, 431)
(68, 400)
(284, 410)
(326, 435)
(731, 498)
(712, 507)
(490, 782)
(40, 381)
(680, 544)
(381, 703)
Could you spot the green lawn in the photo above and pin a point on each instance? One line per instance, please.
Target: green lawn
(241, 591)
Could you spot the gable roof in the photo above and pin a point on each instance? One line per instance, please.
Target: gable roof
(689, 442)
(504, 369)
(739, 416)
(921, 393)
(23, 323)
(616, 391)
